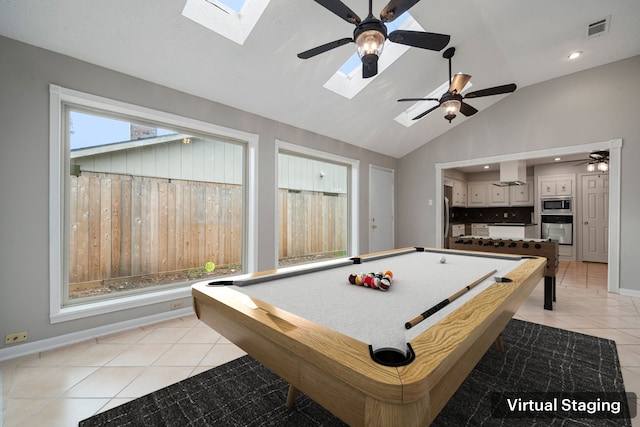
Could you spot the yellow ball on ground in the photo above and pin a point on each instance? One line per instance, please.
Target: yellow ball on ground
(209, 266)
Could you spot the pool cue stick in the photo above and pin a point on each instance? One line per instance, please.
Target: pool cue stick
(419, 318)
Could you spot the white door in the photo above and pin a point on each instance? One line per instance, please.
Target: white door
(595, 218)
(380, 209)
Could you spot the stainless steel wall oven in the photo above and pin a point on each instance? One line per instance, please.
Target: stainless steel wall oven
(558, 227)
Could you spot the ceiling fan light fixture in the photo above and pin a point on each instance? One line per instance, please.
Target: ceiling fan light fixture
(370, 42)
(591, 167)
(451, 107)
(603, 166)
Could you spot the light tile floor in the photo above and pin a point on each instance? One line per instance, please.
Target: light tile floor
(63, 386)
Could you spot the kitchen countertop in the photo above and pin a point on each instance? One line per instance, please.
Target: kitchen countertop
(514, 224)
(526, 239)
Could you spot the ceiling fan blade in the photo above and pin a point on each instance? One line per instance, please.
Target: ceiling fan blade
(418, 99)
(421, 115)
(491, 91)
(458, 82)
(396, 8)
(340, 9)
(467, 109)
(421, 39)
(324, 48)
(599, 156)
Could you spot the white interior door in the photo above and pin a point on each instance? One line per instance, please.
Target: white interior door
(381, 209)
(595, 218)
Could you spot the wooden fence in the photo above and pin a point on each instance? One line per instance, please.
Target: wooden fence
(312, 223)
(126, 225)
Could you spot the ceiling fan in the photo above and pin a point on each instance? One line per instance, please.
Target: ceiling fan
(370, 34)
(452, 100)
(597, 160)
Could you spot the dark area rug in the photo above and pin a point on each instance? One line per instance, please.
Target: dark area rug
(537, 359)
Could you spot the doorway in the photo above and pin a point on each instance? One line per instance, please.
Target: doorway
(381, 195)
(595, 218)
(614, 146)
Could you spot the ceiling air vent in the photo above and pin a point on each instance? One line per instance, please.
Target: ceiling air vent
(598, 28)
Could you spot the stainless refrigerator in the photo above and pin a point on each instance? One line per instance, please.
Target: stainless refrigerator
(446, 215)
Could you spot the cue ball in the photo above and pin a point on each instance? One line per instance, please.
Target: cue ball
(443, 259)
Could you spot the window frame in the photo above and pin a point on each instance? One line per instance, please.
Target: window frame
(352, 184)
(59, 163)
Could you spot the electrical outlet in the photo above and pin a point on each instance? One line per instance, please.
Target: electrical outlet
(176, 305)
(15, 338)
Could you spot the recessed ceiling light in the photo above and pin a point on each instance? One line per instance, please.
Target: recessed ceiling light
(557, 159)
(486, 166)
(575, 54)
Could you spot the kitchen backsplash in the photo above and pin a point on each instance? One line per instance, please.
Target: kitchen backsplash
(521, 214)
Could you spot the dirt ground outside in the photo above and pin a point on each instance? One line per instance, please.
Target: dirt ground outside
(139, 283)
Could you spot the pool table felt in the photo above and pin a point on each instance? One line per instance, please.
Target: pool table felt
(375, 317)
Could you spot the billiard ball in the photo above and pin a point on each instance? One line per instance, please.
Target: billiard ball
(443, 259)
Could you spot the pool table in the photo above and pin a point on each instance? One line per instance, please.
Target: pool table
(316, 330)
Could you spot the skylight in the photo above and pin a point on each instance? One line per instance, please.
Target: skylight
(233, 19)
(406, 117)
(348, 81)
(235, 5)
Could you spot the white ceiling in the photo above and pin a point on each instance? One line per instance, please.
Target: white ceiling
(496, 41)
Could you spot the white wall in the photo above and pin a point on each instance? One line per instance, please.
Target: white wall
(25, 75)
(591, 106)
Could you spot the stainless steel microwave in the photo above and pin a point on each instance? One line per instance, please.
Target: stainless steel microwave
(557, 205)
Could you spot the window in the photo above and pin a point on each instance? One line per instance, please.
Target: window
(148, 202)
(315, 205)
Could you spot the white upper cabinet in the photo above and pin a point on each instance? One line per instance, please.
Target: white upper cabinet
(556, 186)
(459, 193)
(477, 194)
(498, 196)
(521, 195)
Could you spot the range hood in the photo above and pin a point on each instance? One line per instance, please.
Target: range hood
(512, 173)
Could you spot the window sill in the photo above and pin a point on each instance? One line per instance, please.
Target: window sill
(118, 304)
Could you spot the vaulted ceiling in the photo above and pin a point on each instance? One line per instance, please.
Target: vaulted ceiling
(496, 41)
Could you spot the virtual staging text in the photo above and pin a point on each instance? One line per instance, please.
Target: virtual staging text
(562, 405)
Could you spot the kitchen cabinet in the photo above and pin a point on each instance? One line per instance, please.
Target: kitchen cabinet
(477, 194)
(521, 195)
(564, 187)
(481, 230)
(482, 194)
(457, 230)
(556, 186)
(547, 187)
(498, 196)
(459, 193)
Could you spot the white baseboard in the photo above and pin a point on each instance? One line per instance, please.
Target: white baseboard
(629, 292)
(76, 337)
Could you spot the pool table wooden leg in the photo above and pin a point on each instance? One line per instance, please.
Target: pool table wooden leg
(500, 344)
(549, 292)
(291, 396)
